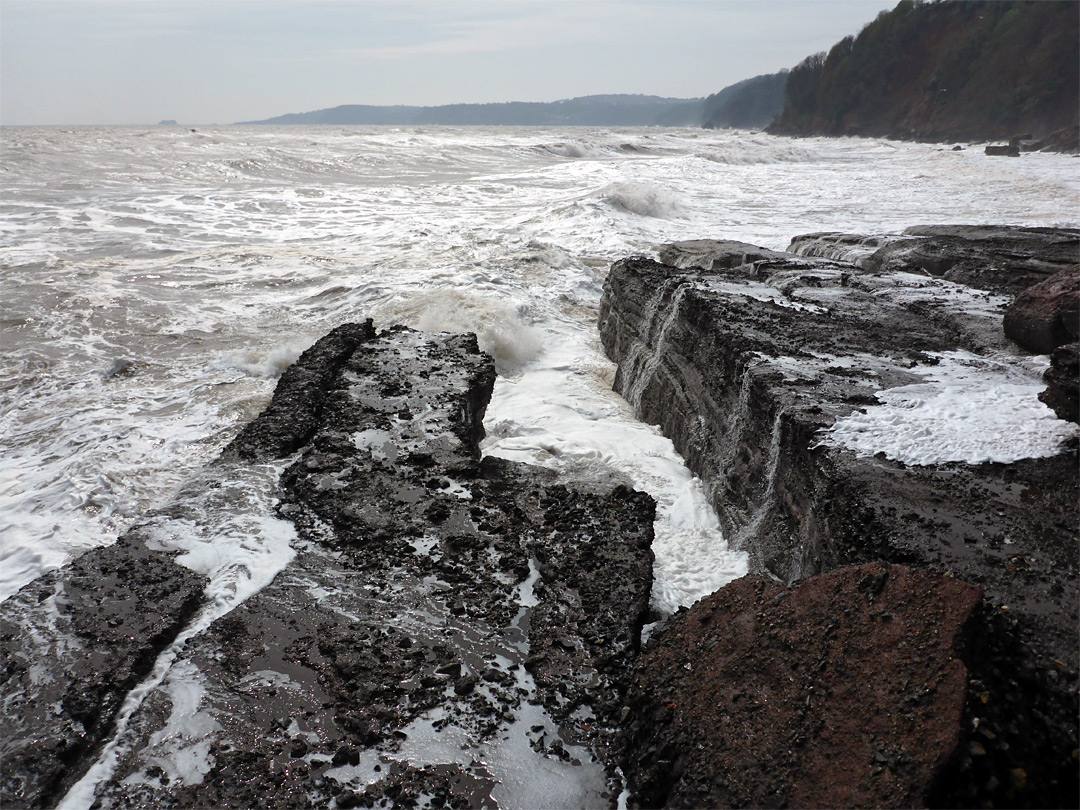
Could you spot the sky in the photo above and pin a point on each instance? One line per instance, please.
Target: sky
(222, 61)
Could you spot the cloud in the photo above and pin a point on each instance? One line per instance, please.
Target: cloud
(462, 28)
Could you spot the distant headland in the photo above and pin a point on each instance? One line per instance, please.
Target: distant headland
(603, 110)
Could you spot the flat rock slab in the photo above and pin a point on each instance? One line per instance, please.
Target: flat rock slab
(450, 627)
(751, 369)
(1004, 259)
(73, 644)
(844, 691)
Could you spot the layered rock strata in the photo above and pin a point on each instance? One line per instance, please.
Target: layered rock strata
(1000, 259)
(450, 627)
(750, 360)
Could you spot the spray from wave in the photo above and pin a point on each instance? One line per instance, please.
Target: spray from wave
(642, 199)
(499, 325)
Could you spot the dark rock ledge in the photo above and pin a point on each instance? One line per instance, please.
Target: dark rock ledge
(74, 643)
(743, 356)
(447, 622)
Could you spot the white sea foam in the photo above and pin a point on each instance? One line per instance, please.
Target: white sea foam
(969, 409)
(562, 414)
(758, 149)
(208, 259)
(225, 530)
(500, 327)
(576, 149)
(181, 748)
(259, 363)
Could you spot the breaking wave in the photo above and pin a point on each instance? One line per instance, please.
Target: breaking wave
(642, 199)
(499, 325)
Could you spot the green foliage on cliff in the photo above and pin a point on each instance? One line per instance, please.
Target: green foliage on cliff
(949, 70)
(749, 104)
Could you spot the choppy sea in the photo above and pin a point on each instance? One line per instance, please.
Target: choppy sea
(156, 281)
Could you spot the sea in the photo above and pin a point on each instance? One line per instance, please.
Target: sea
(155, 282)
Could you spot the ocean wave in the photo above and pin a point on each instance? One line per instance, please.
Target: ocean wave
(262, 363)
(753, 152)
(642, 199)
(576, 149)
(498, 324)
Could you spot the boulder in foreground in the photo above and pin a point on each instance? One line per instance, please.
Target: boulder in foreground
(846, 690)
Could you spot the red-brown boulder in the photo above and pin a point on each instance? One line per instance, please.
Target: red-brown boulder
(1046, 315)
(843, 691)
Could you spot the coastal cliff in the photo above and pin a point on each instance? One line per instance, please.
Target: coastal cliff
(749, 104)
(946, 71)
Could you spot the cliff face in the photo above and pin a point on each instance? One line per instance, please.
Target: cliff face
(944, 71)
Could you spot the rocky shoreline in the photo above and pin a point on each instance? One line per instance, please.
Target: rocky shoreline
(452, 630)
(750, 359)
(450, 627)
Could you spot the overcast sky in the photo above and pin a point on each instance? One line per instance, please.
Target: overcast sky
(221, 61)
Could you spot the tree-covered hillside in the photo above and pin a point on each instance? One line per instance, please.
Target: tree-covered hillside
(952, 70)
(749, 104)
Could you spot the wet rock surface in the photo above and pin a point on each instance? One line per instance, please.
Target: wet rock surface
(1062, 394)
(72, 645)
(1002, 259)
(748, 366)
(847, 690)
(452, 631)
(1047, 314)
(709, 254)
(298, 398)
